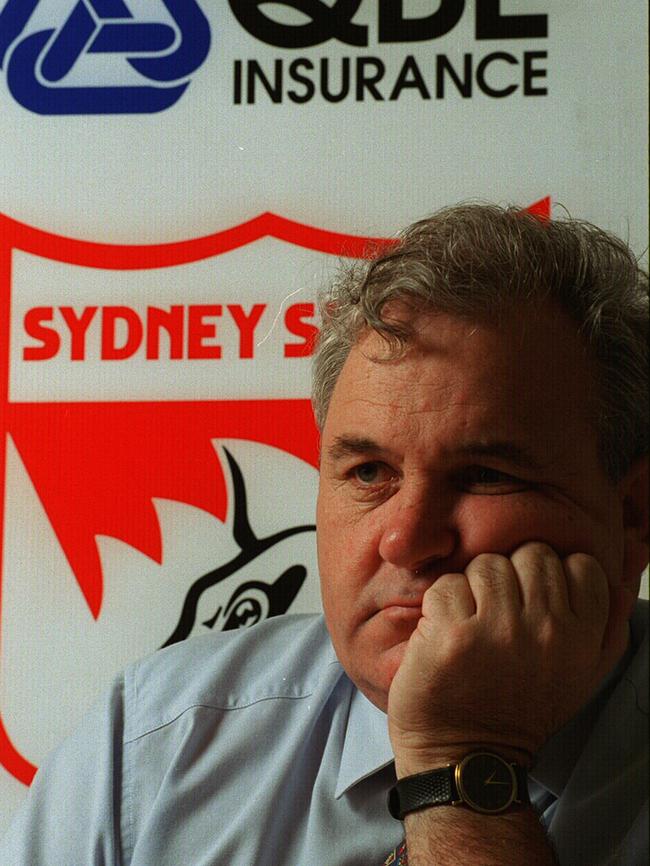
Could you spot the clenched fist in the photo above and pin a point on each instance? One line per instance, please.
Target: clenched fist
(504, 654)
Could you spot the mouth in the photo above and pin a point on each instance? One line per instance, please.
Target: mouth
(403, 609)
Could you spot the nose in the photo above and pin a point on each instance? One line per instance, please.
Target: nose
(418, 530)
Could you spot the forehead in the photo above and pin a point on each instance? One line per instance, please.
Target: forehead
(526, 378)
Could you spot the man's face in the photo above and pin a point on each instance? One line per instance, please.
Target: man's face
(476, 441)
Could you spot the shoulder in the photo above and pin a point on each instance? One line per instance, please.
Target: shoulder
(286, 656)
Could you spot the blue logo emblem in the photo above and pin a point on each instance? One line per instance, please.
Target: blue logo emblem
(62, 70)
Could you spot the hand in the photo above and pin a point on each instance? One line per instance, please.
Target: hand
(504, 654)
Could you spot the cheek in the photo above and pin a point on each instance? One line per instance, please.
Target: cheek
(342, 580)
(347, 543)
(502, 525)
(334, 551)
(499, 524)
(348, 562)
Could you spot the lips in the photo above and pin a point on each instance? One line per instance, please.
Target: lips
(404, 602)
(403, 609)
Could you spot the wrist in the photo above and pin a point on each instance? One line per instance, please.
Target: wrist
(412, 760)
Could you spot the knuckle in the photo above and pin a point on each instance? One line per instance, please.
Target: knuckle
(443, 590)
(488, 565)
(444, 586)
(581, 563)
(534, 550)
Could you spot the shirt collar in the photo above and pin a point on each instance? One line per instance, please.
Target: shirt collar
(366, 748)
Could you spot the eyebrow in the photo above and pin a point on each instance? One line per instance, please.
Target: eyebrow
(503, 450)
(350, 446)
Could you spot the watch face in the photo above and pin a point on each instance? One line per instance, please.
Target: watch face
(486, 782)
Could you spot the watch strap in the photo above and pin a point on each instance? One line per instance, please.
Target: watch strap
(431, 788)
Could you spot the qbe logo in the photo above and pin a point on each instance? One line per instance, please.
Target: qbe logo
(100, 56)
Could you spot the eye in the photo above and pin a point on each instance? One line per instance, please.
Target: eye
(372, 472)
(484, 479)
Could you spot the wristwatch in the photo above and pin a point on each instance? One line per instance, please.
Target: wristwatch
(483, 781)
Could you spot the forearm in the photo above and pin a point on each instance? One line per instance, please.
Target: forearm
(456, 836)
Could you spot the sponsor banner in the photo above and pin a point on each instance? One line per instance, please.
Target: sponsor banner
(158, 455)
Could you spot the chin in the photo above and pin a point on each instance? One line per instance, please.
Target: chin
(375, 684)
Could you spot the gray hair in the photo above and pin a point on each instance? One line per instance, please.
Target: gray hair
(479, 261)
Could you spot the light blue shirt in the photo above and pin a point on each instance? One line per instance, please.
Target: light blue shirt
(254, 747)
(597, 767)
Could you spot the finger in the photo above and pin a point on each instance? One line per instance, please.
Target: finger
(494, 585)
(588, 590)
(449, 597)
(541, 578)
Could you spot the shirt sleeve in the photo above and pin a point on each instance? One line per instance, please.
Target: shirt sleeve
(72, 815)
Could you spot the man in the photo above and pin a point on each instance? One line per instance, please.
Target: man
(482, 528)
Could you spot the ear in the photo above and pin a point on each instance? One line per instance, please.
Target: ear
(633, 490)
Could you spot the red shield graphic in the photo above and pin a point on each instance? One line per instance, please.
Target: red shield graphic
(97, 465)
